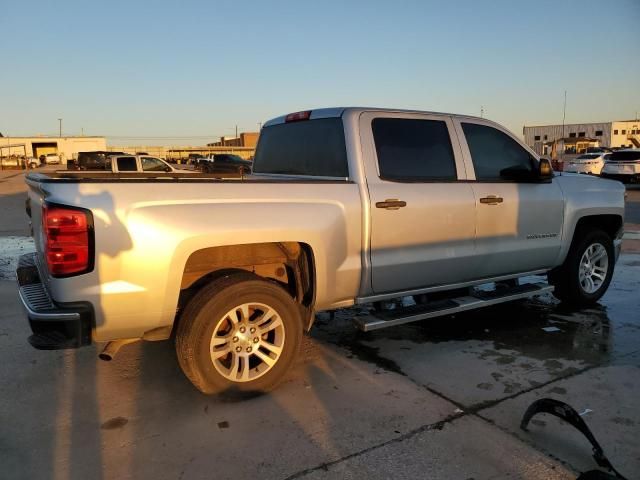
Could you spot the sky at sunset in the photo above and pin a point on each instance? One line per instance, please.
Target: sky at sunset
(187, 72)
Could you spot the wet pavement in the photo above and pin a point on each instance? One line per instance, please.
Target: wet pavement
(441, 398)
(494, 362)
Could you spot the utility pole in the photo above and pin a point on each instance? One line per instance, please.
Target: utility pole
(60, 127)
(82, 131)
(481, 111)
(564, 112)
(236, 131)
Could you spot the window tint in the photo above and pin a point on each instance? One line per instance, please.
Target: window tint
(150, 164)
(411, 149)
(127, 164)
(494, 154)
(622, 156)
(309, 147)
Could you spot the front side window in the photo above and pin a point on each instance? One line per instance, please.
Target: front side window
(495, 155)
(413, 149)
(127, 164)
(150, 164)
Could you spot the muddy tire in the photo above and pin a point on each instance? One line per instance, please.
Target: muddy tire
(586, 273)
(238, 336)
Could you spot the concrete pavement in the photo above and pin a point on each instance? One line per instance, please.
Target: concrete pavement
(441, 398)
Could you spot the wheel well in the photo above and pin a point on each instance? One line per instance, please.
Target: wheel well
(610, 224)
(290, 264)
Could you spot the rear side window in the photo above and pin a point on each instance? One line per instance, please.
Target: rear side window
(413, 150)
(127, 164)
(495, 155)
(310, 147)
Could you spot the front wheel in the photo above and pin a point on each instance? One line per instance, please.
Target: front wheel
(238, 335)
(586, 273)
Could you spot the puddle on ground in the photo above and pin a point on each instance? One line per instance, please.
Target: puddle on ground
(605, 333)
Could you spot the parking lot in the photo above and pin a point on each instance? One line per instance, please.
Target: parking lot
(440, 398)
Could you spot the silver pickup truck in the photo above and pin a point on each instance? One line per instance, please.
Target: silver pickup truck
(345, 206)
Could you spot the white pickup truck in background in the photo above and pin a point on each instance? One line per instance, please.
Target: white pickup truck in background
(345, 206)
(139, 163)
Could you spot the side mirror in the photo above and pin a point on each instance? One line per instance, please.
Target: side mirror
(545, 172)
(168, 169)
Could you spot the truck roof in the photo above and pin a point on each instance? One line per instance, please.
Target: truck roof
(333, 112)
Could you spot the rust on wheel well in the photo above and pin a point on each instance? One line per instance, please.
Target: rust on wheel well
(290, 264)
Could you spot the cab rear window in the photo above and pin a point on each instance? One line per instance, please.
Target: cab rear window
(311, 147)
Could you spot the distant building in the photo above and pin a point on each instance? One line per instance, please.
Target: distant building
(66, 147)
(246, 139)
(576, 137)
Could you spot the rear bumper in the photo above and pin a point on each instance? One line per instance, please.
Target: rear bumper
(624, 178)
(54, 325)
(586, 169)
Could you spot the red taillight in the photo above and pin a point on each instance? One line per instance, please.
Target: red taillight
(66, 240)
(297, 116)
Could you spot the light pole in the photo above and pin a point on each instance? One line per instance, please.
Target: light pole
(60, 127)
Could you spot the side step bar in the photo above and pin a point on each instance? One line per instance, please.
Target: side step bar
(478, 299)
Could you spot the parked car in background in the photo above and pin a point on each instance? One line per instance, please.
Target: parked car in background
(623, 165)
(589, 163)
(95, 160)
(51, 159)
(32, 162)
(139, 163)
(224, 163)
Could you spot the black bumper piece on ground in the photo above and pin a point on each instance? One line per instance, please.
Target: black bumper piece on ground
(54, 325)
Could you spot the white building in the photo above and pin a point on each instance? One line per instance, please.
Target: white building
(66, 147)
(622, 133)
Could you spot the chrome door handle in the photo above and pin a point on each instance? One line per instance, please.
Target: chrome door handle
(491, 200)
(391, 204)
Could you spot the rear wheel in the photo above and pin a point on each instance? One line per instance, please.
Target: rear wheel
(238, 335)
(586, 273)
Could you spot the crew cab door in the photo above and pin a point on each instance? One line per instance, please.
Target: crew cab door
(421, 212)
(518, 219)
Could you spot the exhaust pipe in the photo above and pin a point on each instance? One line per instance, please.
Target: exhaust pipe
(111, 348)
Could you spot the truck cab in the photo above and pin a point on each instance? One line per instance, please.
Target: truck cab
(138, 163)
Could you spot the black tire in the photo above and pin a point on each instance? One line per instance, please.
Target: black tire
(565, 278)
(202, 314)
